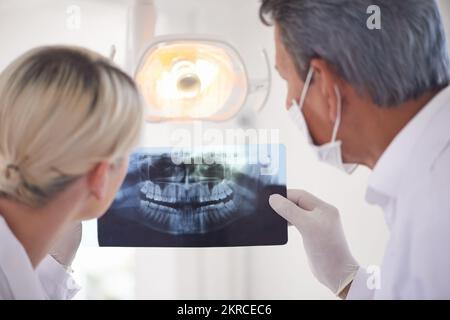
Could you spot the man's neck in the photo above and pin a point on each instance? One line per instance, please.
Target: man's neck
(387, 124)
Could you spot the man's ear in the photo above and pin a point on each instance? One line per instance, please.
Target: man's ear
(98, 180)
(326, 79)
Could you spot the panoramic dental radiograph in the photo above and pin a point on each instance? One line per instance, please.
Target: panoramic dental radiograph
(197, 199)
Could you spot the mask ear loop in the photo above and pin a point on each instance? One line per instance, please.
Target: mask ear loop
(306, 88)
(338, 114)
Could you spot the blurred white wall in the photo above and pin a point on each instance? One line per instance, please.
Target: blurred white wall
(254, 273)
(89, 23)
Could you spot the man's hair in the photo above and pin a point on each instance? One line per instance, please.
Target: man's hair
(404, 59)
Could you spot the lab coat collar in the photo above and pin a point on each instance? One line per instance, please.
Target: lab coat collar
(16, 266)
(388, 173)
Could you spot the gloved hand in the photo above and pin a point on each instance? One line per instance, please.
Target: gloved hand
(65, 248)
(319, 223)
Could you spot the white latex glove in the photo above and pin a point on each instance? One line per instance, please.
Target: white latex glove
(319, 223)
(65, 248)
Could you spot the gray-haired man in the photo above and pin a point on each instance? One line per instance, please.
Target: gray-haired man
(378, 97)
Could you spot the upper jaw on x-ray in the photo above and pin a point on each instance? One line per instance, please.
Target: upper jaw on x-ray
(183, 199)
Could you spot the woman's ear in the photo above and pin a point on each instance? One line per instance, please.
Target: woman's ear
(98, 180)
(326, 80)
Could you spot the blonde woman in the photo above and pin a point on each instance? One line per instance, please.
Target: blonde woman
(68, 121)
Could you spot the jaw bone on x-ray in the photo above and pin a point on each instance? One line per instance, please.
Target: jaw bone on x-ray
(197, 200)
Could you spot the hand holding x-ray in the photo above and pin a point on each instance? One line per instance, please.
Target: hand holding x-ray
(320, 225)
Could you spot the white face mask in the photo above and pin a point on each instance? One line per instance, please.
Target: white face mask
(331, 152)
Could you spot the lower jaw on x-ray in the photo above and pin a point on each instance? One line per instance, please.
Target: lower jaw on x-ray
(190, 202)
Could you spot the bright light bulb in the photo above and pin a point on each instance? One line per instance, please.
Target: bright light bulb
(187, 80)
(191, 79)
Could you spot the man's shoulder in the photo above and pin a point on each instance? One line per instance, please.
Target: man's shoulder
(427, 184)
(440, 172)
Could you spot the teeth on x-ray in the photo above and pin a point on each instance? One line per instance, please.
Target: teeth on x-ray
(197, 193)
(194, 219)
(191, 198)
(188, 209)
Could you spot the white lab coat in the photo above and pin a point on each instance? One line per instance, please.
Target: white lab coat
(18, 279)
(411, 183)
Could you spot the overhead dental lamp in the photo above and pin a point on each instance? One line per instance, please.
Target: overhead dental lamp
(193, 77)
(189, 78)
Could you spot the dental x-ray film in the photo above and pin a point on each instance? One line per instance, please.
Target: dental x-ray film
(198, 198)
